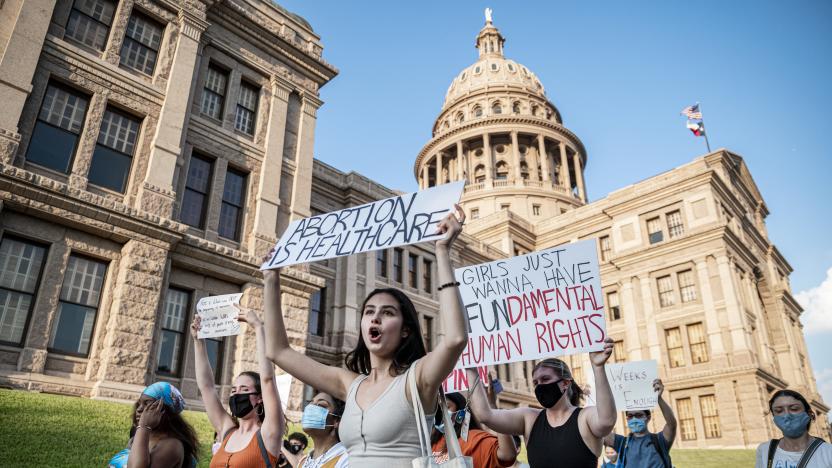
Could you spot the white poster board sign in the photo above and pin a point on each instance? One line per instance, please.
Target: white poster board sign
(402, 220)
(458, 381)
(632, 384)
(539, 305)
(218, 316)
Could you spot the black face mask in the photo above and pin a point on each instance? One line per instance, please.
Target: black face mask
(548, 394)
(240, 404)
(294, 449)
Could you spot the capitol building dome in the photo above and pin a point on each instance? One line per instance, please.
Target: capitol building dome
(498, 131)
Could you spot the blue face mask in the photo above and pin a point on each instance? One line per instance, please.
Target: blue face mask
(793, 425)
(314, 417)
(636, 424)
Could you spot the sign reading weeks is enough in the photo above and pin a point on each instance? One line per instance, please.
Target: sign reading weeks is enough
(401, 220)
(218, 316)
(538, 305)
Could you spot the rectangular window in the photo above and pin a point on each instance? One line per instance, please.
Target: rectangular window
(675, 228)
(505, 206)
(214, 346)
(618, 352)
(428, 333)
(398, 257)
(142, 39)
(698, 346)
(675, 352)
(654, 230)
(687, 288)
(427, 276)
(614, 307)
(244, 119)
(195, 198)
(59, 123)
(536, 210)
(317, 313)
(78, 305)
(687, 422)
(113, 156)
(606, 248)
(174, 326)
(213, 92)
(475, 213)
(381, 263)
(233, 201)
(710, 416)
(89, 22)
(413, 260)
(21, 264)
(666, 296)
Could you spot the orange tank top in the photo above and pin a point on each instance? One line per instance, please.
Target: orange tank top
(249, 457)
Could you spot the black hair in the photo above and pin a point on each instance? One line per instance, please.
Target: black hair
(575, 393)
(645, 411)
(298, 436)
(797, 396)
(461, 403)
(410, 349)
(258, 409)
(173, 425)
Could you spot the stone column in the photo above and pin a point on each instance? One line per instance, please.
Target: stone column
(212, 211)
(631, 314)
(579, 175)
(423, 175)
(565, 179)
(23, 29)
(649, 319)
(369, 273)
(345, 308)
(489, 161)
(544, 159)
(439, 162)
(733, 309)
(156, 195)
(711, 316)
(301, 195)
(518, 174)
(460, 161)
(80, 167)
(267, 202)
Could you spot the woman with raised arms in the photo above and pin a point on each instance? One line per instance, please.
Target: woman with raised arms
(378, 426)
(562, 434)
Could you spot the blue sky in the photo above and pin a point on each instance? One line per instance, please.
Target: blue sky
(619, 72)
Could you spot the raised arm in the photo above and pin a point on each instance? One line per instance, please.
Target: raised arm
(329, 379)
(167, 452)
(273, 423)
(504, 421)
(217, 415)
(506, 449)
(440, 361)
(601, 417)
(670, 424)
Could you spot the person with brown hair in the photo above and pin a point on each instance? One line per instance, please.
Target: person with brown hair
(793, 416)
(251, 433)
(562, 434)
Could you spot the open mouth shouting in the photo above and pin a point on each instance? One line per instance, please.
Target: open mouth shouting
(374, 334)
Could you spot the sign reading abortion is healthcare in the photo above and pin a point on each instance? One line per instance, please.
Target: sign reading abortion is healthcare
(402, 220)
(534, 306)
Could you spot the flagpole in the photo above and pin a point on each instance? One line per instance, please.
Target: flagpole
(705, 134)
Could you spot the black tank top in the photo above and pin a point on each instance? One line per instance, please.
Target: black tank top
(562, 446)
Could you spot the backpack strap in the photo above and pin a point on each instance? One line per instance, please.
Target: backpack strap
(772, 447)
(810, 450)
(661, 449)
(622, 454)
(263, 452)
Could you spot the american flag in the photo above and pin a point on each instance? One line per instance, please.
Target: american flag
(692, 112)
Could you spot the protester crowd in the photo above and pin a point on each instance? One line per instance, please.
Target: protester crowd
(385, 408)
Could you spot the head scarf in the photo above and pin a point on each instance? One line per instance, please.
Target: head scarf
(169, 395)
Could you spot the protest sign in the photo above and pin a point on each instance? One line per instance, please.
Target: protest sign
(401, 220)
(458, 380)
(542, 304)
(284, 387)
(632, 384)
(218, 316)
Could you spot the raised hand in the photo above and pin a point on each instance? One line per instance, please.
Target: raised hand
(451, 226)
(600, 358)
(273, 275)
(152, 415)
(250, 317)
(658, 386)
(196, 325)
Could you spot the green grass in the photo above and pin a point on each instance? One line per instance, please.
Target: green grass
(60, 431)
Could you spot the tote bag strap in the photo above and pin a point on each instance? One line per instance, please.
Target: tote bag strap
(419, 412)
(451, 440)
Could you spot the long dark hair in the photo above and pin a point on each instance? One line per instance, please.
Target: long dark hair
(575, 393)
(797, 396)
(410, 349)
(173, 425)
(259, 409)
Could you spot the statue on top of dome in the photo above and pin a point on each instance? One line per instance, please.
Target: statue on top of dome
(488, 12)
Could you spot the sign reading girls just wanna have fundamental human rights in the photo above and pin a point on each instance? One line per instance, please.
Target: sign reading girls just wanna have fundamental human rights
(392, 222)
(533, 306)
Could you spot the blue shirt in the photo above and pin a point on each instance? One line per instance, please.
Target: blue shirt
(640, 451)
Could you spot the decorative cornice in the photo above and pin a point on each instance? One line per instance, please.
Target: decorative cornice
(191, 26)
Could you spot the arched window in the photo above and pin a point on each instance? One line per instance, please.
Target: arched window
(502, 170)
(534, 110)
(494, 67)
(524, 170)
(515, 107)
(496, 108)
(460, 117)
(477, 111)
(479, 174)
(446, 125)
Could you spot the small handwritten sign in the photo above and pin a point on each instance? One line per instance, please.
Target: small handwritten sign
(218, 316)
(632, 384)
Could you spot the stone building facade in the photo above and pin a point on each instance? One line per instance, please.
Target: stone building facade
(151, 150)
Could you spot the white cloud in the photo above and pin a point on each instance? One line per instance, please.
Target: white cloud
(823, 377)
(817, 303)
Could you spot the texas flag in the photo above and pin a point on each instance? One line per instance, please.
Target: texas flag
(697, 127)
